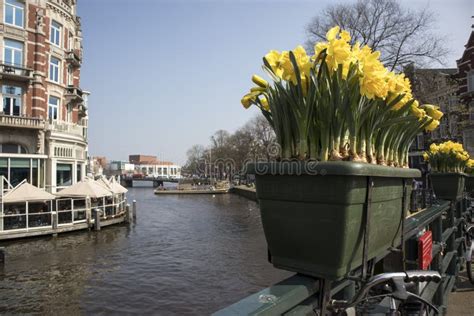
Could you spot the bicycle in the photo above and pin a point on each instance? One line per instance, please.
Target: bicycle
(389, 294)
(468, 248)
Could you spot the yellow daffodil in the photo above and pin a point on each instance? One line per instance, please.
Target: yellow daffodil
(273, 59)
(265, 104)
(433, 111)
(258, 89)
(259, 81)
(434, 148)
(246, 101)
(332, 33)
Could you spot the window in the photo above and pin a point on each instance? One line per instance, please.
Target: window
(53, 108)
(11, 100)
(13, 53)
(470, 81)
(443, 129)
(55, 34)
(70, 76)
(4, 167)
(63, 175)
(78, 172)
(12, 149)
(14, 12)
(54, 65)
(19, 170)
(71, 41)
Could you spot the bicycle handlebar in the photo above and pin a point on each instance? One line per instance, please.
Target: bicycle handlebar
(396, 278)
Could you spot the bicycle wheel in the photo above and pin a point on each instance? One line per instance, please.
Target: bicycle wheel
(469, 248)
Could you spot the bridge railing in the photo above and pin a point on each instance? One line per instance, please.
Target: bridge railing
(300, 294)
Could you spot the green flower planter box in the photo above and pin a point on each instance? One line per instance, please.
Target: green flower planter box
(312, 213)
(448, 186)
(469, 179)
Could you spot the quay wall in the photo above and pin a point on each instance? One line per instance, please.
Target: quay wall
(245, 192)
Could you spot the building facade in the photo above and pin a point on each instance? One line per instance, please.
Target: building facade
(44, 118)
(120, 168)
(465, 78)
(150, 166)
(436, 86)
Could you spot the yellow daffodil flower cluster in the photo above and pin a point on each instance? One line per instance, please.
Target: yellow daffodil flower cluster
(470, 167)
(341, 103)
(448, 157)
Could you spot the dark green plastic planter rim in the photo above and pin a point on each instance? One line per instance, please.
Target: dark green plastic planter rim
(343, 168)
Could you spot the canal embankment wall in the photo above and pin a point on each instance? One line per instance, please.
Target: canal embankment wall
(244, 191)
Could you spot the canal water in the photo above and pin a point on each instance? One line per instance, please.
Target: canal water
(185, 255)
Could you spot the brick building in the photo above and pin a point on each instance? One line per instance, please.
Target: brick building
(43, 122)
(142, 159)
(435, 86)
(465, 78)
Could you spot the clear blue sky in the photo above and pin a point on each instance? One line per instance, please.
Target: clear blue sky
(165, 75)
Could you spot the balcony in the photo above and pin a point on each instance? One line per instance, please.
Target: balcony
(67, 128)
(15, 72)
(21, 121)
(73, 95)
(457, 109)
(74, 57)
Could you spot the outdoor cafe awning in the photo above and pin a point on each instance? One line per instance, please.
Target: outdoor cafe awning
(112, 185)
(117, 187)
(27, 192)
(85, 188)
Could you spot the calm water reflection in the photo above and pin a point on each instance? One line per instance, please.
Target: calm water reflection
(185, 255)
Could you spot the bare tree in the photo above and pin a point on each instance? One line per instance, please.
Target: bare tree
(263, 136)
(402, 35)
(194, 162)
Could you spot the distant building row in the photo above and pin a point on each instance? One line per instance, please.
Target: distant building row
(139, 166)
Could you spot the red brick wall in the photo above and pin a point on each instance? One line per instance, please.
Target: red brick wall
(36, 96)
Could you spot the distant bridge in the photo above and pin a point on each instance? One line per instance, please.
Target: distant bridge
(128, 181)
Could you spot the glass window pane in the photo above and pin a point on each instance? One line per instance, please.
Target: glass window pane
(34, 180)
(19, 17)
(63, 174)
(14, 44)
(78, 173)
(4, 167)
(8, 56)
(3, 162)
(9, 14)
(19, 162)
(18, 58)
(16, 107)
(6, 105)
(54, 100)
(19, 170)
(10, 148)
